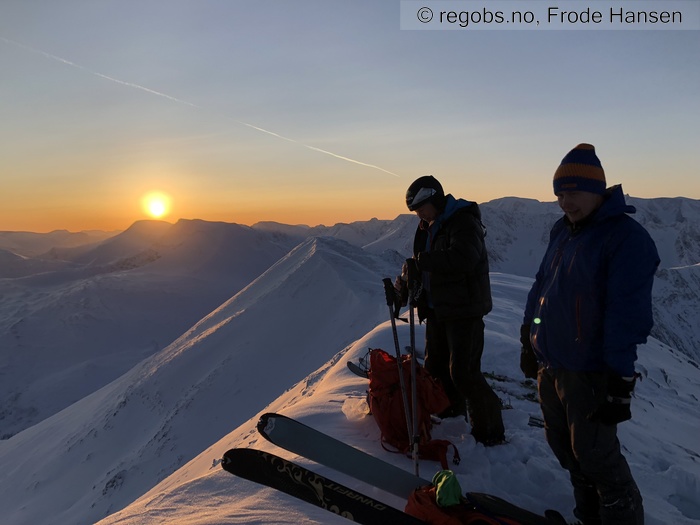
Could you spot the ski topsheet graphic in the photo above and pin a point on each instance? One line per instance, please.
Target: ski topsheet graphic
(326, 450)
(295, 480)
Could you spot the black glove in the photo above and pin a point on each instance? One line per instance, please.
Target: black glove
(401, 286)
(410, 269)
(528, 361)
(616, 407)
(401, 290)
(413, 280)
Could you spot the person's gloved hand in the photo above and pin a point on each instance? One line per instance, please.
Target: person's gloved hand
(411, 271)
(616, 407)
(528, 361)
(408, 284)
(401, 286)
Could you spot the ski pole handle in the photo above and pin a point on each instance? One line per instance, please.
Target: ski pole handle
(392, 299)
(389, 291)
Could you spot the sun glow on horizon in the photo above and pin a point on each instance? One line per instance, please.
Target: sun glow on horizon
(156, 204)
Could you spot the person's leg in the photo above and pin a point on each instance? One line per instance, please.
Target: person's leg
(604, 489)
(558, 436)
(465, 339)
(437, 363)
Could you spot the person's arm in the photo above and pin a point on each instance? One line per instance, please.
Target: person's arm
(631, 264)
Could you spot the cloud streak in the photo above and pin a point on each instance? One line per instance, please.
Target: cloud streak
(185, 102)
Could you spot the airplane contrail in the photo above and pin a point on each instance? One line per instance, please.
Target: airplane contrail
(317, 149)
(185, 102)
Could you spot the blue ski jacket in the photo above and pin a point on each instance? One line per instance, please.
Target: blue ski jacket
(590, 304)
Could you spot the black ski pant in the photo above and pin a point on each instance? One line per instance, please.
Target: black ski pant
(604, 489)
(453, 350)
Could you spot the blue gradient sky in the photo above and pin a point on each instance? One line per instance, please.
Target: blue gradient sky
(104, 101)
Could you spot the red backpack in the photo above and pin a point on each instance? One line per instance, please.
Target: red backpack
(386, 405)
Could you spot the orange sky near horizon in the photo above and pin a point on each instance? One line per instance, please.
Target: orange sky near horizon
(105, 102)
(117, 205)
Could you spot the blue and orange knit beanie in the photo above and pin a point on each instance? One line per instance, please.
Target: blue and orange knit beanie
(580, 170)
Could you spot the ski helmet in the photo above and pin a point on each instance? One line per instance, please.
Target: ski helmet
(425, 189)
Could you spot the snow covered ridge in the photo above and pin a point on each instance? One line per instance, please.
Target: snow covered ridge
(38, 244)
(143, 450)
(88, 312)
(152, 348)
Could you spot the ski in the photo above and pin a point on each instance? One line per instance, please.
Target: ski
(361, 368)
(358, 370)
(321, 448)
(535, 421)
(270, 470)
(326, 450)
(496, 506)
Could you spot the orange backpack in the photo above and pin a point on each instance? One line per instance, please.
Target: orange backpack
(473, 509)
(386, 405)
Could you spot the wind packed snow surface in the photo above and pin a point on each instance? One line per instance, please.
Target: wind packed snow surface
(660, 441)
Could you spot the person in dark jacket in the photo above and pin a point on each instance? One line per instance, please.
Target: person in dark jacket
(588, 310)
(451, 259)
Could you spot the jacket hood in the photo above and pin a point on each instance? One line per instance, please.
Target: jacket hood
(452, 206)
(614, 204)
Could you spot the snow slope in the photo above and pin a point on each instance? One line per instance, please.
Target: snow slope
(64, 334)
(156, 429)
(104, 451)
(159, 430)
(74, 322)
(660, 442)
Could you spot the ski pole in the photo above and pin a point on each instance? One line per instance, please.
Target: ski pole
(413, 284)
(390, 296)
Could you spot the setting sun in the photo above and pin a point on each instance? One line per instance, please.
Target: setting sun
(156, 204)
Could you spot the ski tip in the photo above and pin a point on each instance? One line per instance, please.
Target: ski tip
(229, 458)
(265, 424)
(234, 458)
(358, 370)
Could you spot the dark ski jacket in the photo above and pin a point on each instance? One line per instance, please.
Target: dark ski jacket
(590, 305)
(452, 257)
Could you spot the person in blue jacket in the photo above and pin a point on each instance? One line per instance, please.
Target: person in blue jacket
(588, 310)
